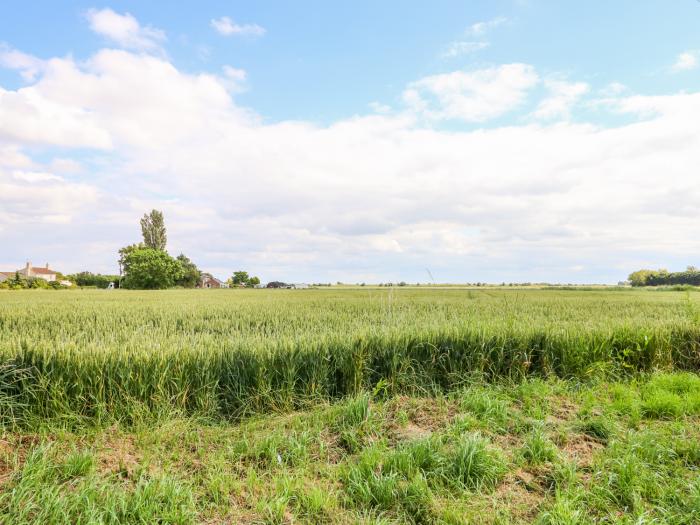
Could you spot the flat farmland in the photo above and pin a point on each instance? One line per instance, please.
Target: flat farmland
(230, 352)
(350, 405)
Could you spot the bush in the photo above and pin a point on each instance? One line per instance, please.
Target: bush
(94, 279)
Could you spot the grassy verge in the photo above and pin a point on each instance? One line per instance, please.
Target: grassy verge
(536, 451)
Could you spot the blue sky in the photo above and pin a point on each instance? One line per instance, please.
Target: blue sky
(490, 141)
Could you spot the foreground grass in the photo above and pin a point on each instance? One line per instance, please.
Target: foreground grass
(545, 452)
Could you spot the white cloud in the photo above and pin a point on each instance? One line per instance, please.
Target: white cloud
(35, 198)
(613, 89)
(125, 30)
(235, 79)
(481, 28)
(456, 49)
(380, 195)
(472, 96)
(29, 66)
(686, 61)
(227, 27)
(380, 108)
(562, 97)
(68, 166)
(26, 115)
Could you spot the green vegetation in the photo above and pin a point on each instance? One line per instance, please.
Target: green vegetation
(690, 278)
(90, 279)
(19, 282)
(93, 354)
(366, 405)
(147, 266)
(151, 269)
(369, 459)
(241, 278)
(153, 230)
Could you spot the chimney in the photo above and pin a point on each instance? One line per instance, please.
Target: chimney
(28, 269)
(47, 266)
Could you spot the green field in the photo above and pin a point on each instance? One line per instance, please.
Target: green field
(366, 405)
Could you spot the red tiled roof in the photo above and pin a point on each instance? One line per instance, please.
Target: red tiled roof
(44, 271)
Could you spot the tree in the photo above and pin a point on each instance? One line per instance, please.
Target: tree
(242, 278)
(93, 279)
(640, 277)
(153, 230)
(190, 273)
(150, 269)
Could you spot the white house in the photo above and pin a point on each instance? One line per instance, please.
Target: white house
(29, 271)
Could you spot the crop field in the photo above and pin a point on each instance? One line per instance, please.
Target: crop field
(362, 405)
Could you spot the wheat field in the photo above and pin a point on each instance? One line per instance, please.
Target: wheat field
(227, 353)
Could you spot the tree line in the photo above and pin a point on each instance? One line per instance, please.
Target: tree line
(662, 277)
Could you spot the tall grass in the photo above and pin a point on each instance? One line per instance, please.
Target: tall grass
(105, 355)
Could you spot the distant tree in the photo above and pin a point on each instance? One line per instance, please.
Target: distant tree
(93, 279)
(242, 278)
(150, 269)
(19, 281)
(662, 277)
(640, 277)
(190, 273)
(153, 230)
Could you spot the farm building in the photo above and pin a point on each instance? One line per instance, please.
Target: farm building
(209, 281)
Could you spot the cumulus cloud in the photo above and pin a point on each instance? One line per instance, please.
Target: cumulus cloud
(456, 49)
(562, 97)
(234, 78)
(31, 198)
(373, 197)
(125, 30)
(472, 96)
(227, 27)
(26, 115)
(481, 28)
(28, 66)
(686, 61)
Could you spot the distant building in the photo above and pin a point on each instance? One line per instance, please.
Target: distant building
(29, 272)
(209, 281)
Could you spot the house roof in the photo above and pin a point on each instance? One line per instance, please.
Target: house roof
(44, 271)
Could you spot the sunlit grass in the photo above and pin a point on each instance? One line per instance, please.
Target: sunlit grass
(123, 355)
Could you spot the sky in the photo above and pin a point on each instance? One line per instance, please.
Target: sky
(312, 141)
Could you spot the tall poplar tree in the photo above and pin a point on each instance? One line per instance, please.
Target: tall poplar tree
(153, 229)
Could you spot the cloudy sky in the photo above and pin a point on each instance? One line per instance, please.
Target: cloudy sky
(523, 140)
